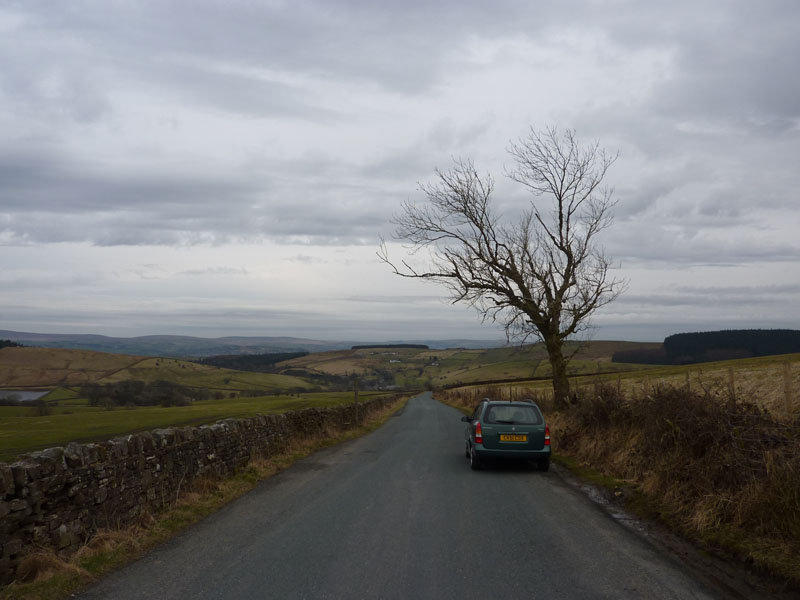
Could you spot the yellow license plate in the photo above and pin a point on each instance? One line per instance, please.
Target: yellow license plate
(507, 437)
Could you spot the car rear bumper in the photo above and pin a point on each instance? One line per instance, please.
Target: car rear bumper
(500, 453)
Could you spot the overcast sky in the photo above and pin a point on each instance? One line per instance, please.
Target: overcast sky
(227, 168)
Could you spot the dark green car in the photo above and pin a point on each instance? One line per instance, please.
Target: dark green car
(507, 430)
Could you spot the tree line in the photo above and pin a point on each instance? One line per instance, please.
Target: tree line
(260, 363)
(709, 346)
(140, 393)
(390, 346)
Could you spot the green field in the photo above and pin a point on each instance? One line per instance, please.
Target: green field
(213, 378)
(75, 420)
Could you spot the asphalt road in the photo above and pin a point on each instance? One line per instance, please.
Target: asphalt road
(399, 514)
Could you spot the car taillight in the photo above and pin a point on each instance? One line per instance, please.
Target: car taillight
(478, 433)
(547, 435)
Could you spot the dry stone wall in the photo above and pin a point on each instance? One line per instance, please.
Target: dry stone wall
(58, 498)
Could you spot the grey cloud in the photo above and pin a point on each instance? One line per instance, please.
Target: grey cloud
(242, 321)
(691, 300)
(742, 290)
(234, 271)
(753, 304)
(40, 79)
(414, 163)
(44, 183)
(305, 259)
(397, 299)
(729, 72)
(242, 94)
(635, 198)
(45, 200)
(149, 273)
(406, 46)
(397, 46)
(55, 281)
(649, 243)
(408, 164)
(730, 59)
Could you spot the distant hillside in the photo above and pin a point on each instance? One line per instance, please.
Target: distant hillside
(43, 368)
(172, 345)
(414, 368)
(712, 346)
(180, 346)
(48, 367)
(250, 362)
(373, 346)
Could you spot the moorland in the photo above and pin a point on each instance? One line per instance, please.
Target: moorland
(70, 412)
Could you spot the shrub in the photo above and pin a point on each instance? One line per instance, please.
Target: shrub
(41, 408)
(601, 407)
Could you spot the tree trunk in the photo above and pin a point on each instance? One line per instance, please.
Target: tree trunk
(559, 366)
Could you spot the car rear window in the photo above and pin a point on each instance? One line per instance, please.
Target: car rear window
(513, 413)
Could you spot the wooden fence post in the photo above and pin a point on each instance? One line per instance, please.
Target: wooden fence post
(787, 389)
(731, 389)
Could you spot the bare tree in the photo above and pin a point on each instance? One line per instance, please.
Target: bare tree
(541, 276)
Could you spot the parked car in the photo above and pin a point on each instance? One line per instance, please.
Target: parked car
(507, 430)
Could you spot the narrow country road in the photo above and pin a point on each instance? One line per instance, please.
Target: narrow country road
(399, 514)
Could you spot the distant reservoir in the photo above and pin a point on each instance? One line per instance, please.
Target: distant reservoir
(22, 395)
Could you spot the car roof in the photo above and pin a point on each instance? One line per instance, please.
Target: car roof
(526, 401)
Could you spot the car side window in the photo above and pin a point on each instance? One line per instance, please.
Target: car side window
(476, 413)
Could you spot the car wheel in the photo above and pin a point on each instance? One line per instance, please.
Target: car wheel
(466, 449)
(544, 464)
(474, 461)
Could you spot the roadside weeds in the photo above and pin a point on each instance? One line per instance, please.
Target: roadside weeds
(725, 476)
(44, 575)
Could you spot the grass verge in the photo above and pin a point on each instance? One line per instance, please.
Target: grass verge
(44, 575)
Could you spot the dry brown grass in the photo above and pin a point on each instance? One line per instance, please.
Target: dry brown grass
(340, 362)
(44, 564)
(30, 367)
(760, 381)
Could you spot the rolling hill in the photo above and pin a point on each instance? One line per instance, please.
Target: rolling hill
(196, 347)
(47, 368)
(415, 368)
